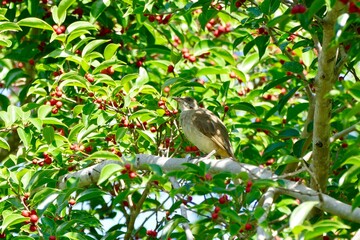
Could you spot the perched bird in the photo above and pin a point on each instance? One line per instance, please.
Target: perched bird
(204, 129)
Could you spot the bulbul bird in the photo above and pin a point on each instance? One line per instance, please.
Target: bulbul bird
(204, 129)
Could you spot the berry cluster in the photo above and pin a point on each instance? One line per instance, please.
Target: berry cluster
(151, 233)
(215, 26)
(59, 29)
(33, 218)
(161, 19)
(128, 170)
(57, 104)
(215, 214)
(298, 9)
(224, 199)
(109, 71)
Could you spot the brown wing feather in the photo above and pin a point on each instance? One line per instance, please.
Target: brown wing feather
(205, 121)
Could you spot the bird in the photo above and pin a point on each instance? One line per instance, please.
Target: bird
(204, 129)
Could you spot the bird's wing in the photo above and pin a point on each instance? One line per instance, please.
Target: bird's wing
(211, 126)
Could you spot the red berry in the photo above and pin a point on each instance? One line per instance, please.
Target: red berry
(344, 145)
(127, 166)
(48, 160)
(2, 235)
(34, 218)
(32, 62)
(52, 238)
(192, 58)
(170, 69)
(248, 189)
(214, 215)
(25, 213)
(249, 184)
(153, 129)
(223, 199)
(59, 104)
(217, 209)
(248, 226)
(208, 177)
(226, 108)
(166, 89)
(232, 75)
(132, 174)
(353, 8)
(188, 149)
(270, 161)
(72, 202)
(151, 18)
(55, 111)
(261, 30)
(33, 228)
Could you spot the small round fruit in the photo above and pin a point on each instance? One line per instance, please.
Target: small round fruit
(214, 216)
(72, 202)
(34, 218)
(33, 228)
(248, 226)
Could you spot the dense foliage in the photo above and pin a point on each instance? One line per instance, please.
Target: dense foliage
(85, 81)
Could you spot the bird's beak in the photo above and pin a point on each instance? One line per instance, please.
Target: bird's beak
(178, 99)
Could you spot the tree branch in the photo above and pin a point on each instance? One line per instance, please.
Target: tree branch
(324, 81)
(344, 132)
(91, 174)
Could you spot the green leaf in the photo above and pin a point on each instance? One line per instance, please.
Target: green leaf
(261, 43)
(232, 215)
(223, 54)
(25, 137)
(110, 50)
(254, 12)
(147, 135)
(90, 193)
(211, 70)
(108, 171)
(91, 46)
(43, 111)
(79, 26)
(286, 98)
(300, 213)
(62, 8)
(287, 133)
(97, 8)
(49, 134)
(10, 218)
(9, 26)
(104, 155)
(13, 75)
(5, 43)
(324, 226)
(355, 91)
(294, 67)
(53, 121)
(4, 144)
(35, 23)
(273, 147)
(244, 106)
(298, 147)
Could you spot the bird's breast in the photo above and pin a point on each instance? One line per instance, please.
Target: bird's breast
(201, 141)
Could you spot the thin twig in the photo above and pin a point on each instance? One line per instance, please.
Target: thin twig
(344, 132)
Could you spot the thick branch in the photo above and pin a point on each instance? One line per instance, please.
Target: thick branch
(90, 175)
(324, 82)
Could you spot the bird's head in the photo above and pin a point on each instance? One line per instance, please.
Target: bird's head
(186, 103)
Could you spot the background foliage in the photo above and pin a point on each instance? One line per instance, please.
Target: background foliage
(89, 80)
